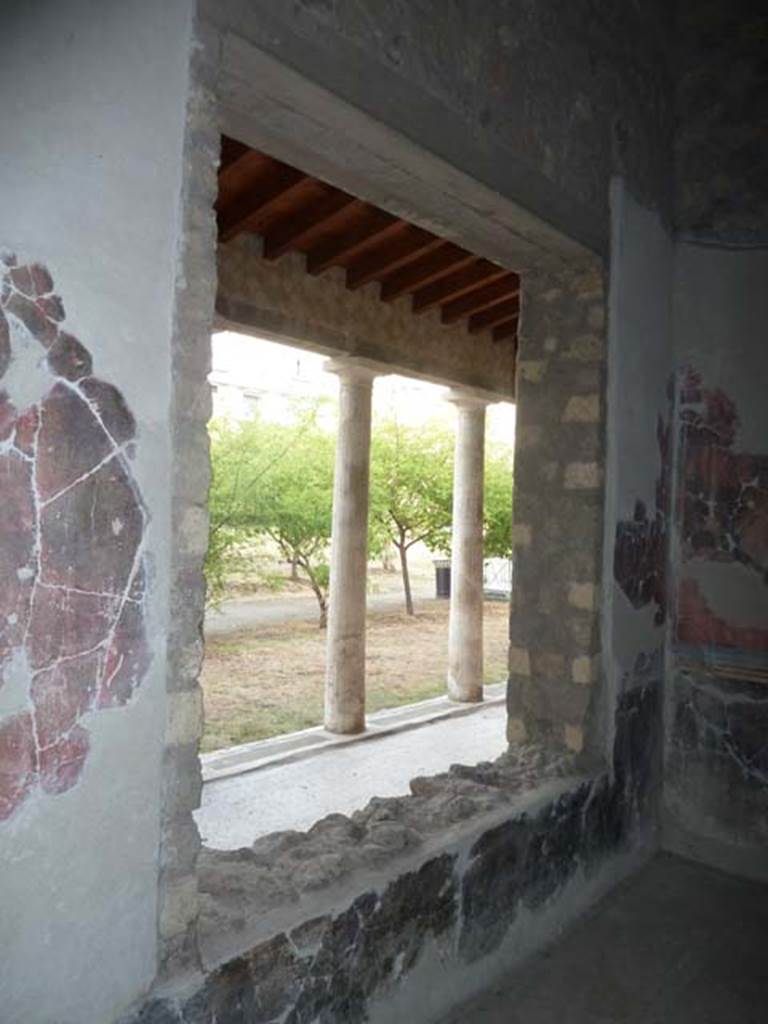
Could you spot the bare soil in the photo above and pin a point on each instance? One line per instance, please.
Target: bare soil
(265, 682)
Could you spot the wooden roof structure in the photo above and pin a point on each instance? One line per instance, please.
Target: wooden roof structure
(294, 212)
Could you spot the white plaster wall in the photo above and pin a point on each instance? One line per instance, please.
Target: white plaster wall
(91, 122)
(639, 366)
(720, 318)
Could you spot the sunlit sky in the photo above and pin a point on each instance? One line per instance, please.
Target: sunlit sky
(276, 374)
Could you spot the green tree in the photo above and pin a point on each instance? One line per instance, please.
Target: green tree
(274, 480)
(293, 504)
(497, 504)
(238, 464)
(411, 479)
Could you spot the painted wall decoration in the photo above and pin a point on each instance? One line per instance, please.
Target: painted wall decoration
(640, 549)
(72, 524)
(697, 624)
(723, 515)
(725, 492)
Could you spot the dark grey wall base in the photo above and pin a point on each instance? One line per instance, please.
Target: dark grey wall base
(461, 904)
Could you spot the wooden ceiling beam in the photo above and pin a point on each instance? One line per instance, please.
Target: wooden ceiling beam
(249, 211)
(495, 315)
(299, 229)
(480, 298)
(370, 225)
(425, 270)
(506, 330)
(242, 173)
(479, 272)
(231, 151)
(409, 243)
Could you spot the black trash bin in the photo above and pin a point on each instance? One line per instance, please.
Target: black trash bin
(442, 577)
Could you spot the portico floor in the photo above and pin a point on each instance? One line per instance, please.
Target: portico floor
(292, 781)
(678, 943)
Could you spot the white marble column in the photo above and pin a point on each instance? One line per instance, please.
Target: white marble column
(345, 657)
(465, 624)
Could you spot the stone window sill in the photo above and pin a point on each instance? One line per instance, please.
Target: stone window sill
(285, 878)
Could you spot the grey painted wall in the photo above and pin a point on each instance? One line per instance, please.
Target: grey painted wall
(91, 127)
(716, 795)
(716, 710)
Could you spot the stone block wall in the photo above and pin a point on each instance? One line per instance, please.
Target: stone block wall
(195, 289)
(280, 299)
(555, 642)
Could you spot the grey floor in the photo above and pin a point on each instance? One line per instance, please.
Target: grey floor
(676, 944)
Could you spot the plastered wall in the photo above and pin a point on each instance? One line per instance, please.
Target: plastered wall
(541, 104)
(716, 796)
(638, 455)
(91, 127)
(716, 709)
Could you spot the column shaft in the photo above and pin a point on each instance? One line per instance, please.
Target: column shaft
(465, 625)
(345, 660)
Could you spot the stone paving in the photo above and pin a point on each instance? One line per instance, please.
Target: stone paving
(237, 810)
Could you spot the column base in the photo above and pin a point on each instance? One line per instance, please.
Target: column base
(463, 694)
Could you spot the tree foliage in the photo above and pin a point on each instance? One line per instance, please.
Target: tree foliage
(497, 504)
(274, 480)
(411, 481)
(412, 493)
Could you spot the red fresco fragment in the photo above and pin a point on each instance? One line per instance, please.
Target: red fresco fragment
(18, 762)
(723, 512)
(697, 624)
(26, 430)
(71, 441)
(62, 693)
(72, 525)
(61, 764)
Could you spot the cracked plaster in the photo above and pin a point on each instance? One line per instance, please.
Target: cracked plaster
(72, 632)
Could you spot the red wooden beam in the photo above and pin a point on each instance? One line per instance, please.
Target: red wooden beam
(409, 243)
(480, 298)
(250, 209)
(371, 224)
(455, 285)
(300, 228)
(495, 315)
(425, 270)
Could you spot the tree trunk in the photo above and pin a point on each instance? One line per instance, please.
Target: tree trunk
(403, 549)
(320, 594)
(387, 564)
(295, 578)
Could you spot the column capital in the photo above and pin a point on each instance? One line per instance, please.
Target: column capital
(357, 371)
(464, 398)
